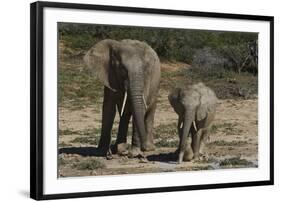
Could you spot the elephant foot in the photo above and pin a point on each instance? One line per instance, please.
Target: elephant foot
(122, 149)
(188, 155)
(109, 155)
(196, 157)
(148, 147)
(180, 158)
(106, 152)
(135, 152)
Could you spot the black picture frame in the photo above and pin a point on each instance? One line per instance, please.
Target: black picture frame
(36, 98)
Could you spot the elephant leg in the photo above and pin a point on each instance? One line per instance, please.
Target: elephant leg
(204, 139)
(108, 115)
(135, 137)
(135, 148)
(196, 142)
(179, 127)
(149, 122)
(189, 152)
(121, 141)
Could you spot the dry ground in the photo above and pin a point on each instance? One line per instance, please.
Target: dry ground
(233, 141)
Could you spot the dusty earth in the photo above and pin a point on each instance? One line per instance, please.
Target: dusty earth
(233, 141)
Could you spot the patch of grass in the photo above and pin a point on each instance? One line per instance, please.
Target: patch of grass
(89, 136)
(166, 130)
(78, 42)
(62, 161)
(172, 74)
(89, 164)
(87, 132)
(225, 143)
(226, 83)
(221, 81)
(214, 129)
(166, 143)
(68, 132)
(170, 80)
(92, 140)
(90, 132)
(64, 144)
(227, 125)
(227, 128)
(78, 87)
(166, 135)
(206, 160)
(234, 132)
(235, 162)
(208, 167)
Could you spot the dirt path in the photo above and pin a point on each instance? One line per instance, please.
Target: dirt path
(233, 141)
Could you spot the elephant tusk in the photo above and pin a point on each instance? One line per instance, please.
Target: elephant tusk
(144, 102)
(194, 125)
(181, 125)
(124, 102)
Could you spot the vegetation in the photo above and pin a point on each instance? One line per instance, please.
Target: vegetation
(166, 130)
(225, 143)
(77, 87)
(68, 132)
(227, 129)
(167, 143)
(235, 162)
(86, 140)
(226, 83)
(197, 168)
(203, 49)
(88, 164)
(62, 161)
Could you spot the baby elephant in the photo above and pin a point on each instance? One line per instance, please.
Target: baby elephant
(196, 108)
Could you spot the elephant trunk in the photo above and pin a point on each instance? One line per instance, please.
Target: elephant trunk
(184, 143)
(136, 90)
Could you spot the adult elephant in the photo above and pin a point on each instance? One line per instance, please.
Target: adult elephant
(130, 72)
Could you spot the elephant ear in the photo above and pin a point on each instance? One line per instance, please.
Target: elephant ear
(202, 112)
(98, 58)
(207, 104)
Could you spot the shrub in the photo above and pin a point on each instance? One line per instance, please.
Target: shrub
(239, 58)
(198, 47)
(207, 58)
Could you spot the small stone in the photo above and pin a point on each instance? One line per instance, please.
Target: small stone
(143, 160)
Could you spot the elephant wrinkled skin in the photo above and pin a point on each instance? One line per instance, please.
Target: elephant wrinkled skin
(196, 108)
(130, 72)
